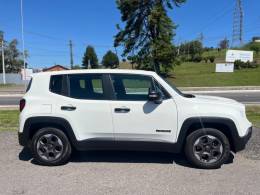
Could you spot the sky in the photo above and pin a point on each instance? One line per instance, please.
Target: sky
(50, 24)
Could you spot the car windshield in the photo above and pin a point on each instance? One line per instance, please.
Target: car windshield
(177, 90)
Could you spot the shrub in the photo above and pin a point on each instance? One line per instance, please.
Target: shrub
(197, 58)
(238, 64)
(206, 59)
(212, 59)
(184, 59)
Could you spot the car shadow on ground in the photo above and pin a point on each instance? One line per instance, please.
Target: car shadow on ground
(122, 157)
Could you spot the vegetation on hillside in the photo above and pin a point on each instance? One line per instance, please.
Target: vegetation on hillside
(191, 74)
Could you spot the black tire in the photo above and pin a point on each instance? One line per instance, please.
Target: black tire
(199, 152)
(61, 141)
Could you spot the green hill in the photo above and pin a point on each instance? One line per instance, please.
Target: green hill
(190, 74)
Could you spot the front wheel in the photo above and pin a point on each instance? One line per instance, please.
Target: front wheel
(50, 146)
(207, 148)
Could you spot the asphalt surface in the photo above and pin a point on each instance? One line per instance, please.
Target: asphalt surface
(9, 100)
(244, 97)
(249, 97)
(107, 172)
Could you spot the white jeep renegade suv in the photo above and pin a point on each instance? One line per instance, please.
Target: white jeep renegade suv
(126, 109)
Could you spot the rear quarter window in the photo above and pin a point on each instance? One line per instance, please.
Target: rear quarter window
(56, 84)
(29, 85)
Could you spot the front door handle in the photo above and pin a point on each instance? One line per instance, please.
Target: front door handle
(122, 110)
(68, 108)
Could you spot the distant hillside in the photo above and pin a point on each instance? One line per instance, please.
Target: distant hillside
(220, 55)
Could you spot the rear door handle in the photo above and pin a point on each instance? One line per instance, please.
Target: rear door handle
(122, 110)
(68, 108)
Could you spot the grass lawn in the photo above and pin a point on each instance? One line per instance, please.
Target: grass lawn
(203, 74)
(6, 85)
(253, 114)
(9, 118)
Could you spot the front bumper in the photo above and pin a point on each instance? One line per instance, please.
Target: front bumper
(21, 139)
(240, 142)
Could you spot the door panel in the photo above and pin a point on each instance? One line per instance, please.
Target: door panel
(146, 121)
(137, 119)
(86, 106)
(89, 118)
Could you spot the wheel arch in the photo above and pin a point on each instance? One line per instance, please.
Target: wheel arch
(225, 125)
(33, 124)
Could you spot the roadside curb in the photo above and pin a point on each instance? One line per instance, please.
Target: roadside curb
(222, 91)
(9, 107)
(11, 95)
(231, 88)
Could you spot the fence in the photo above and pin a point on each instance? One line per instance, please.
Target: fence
(12, 78)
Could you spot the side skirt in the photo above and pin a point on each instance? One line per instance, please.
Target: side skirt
(95, 144)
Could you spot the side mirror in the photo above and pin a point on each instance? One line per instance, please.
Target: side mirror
(154, 96)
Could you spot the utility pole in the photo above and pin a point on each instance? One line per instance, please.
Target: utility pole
(3, 55)
(24, 57)
(71, 54)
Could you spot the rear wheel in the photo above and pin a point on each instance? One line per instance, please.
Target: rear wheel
(50, 146)
(207, 148)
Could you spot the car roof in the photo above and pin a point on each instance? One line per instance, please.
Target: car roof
(98, 71)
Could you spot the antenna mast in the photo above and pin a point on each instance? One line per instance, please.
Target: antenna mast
(237, 38)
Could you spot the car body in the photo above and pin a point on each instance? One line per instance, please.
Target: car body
(125, 109)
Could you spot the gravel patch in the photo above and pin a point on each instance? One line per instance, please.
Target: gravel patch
(252, 150)
(120, 173)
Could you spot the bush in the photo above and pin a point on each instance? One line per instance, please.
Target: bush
(206, 59)
(197, 58)
(184, 59)
(254, 65)
(212, 59)
(238, 64)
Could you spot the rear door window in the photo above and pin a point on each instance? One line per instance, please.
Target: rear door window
(86, 86)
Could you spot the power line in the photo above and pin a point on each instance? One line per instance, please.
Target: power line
(216, 17)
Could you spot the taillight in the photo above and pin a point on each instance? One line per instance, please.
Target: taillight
(22, 104)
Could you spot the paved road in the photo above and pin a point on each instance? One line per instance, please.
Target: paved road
(9, 100)
(249, 97)
(126, 173)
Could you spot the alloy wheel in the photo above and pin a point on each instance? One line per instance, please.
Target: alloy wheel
(49, 147)
(208, 149)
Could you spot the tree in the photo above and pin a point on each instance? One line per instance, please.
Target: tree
(192, 49)
(90, 57)
(110, 60)
(195, 49)
(148, 32)
(255, 47)
(224, 44)
(13, 57)
(76, 67)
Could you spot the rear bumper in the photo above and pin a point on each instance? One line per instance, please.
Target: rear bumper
(240, 142)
